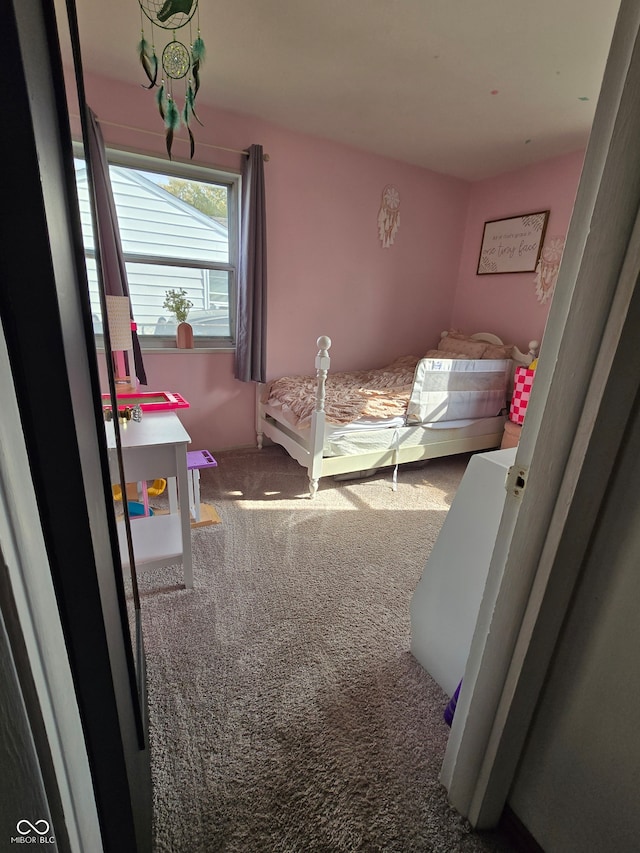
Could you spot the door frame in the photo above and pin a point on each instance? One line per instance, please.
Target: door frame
(63, 568)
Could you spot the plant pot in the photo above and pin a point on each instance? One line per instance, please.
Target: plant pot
(184, 336)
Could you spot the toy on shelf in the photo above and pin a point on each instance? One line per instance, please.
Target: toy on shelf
(157, 488)
(132, 492)
(150, 401)
(125, 413)
(137, 508)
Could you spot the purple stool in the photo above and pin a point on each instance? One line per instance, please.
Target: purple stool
(197, 459)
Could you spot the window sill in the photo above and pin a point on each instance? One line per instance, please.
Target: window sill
(176, 351)
(194, 350)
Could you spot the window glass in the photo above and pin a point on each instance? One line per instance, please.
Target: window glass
(178, 232)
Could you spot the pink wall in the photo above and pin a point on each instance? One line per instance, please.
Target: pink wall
(327, 271)
(507, 304)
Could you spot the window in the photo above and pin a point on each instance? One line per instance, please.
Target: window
(179, 230)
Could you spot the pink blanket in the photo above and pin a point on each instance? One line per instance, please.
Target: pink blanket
(381, 393)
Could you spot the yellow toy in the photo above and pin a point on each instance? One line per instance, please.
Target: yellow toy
(157, 488)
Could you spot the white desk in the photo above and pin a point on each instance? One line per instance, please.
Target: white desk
(156, 447)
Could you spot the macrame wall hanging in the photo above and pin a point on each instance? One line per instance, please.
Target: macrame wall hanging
(548, 267)
(178, 62)
(389, 216)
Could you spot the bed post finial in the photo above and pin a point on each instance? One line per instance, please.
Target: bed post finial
(324, 343)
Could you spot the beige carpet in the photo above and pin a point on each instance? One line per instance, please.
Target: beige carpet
(286, 712)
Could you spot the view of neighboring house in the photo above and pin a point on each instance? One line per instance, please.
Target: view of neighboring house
(159, 232)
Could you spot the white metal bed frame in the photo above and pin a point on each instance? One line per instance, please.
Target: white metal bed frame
(307, 447)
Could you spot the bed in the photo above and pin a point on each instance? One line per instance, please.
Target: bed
(452, 399)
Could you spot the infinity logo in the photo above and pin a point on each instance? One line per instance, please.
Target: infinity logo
(32, 827)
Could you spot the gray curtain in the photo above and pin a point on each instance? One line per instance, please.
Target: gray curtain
(114, 273)
(252, 274)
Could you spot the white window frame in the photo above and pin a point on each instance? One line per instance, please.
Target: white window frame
(187, 171)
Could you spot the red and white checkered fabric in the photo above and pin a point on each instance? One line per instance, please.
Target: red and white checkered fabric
(521, 393)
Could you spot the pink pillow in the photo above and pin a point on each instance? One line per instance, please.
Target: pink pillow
(495, 351)
(438, 353)
(460, 344)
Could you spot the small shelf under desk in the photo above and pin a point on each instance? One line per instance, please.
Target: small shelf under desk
(156, 447)
(157, 541)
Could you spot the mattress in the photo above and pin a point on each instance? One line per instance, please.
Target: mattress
(352, 441)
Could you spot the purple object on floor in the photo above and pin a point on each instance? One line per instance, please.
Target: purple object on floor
(200, 459)
(450, 710)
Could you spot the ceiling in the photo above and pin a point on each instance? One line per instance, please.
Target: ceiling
(469, 88)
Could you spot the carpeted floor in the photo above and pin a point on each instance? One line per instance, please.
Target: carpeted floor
(286, 711)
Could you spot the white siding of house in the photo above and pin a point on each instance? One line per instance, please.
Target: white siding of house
(153, 222)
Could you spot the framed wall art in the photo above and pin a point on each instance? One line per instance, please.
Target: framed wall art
(513, 244)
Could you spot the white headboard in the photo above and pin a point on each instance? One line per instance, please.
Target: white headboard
(517, 355)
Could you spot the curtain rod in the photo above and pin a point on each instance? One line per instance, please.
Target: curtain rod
(265, 157)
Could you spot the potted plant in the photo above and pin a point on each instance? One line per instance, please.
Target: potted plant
(177, 303)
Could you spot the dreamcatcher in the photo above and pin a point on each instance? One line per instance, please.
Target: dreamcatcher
(389, 216)
(548, 267)
(178, 62)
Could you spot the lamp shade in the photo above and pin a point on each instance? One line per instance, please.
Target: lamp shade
(119, 321)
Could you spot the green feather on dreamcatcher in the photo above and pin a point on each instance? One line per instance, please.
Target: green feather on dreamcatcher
(172, 122)
(161, 100)
(148, 60)
(178, 62)
(197, 58)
